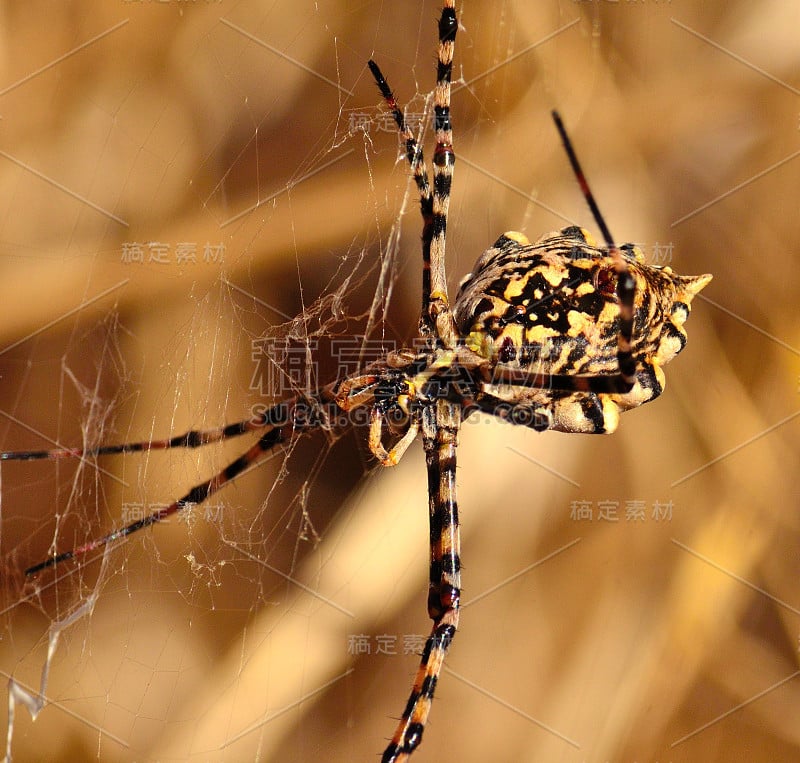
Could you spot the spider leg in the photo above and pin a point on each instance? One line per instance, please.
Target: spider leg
(520, 377)
(443, 162)
(626, 285)
(295, 420)
(529, 413)
(595, 410)
(440, 423)
(419, 169)
(192, 439)
(435, 320)
(357, 391)
(393, 455)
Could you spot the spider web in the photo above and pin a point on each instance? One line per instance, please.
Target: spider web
(242, 153)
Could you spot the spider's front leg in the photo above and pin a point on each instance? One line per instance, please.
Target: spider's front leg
(389, 393)
(440, 423)
(395, 453)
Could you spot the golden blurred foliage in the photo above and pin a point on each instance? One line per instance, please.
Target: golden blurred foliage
(180, 179)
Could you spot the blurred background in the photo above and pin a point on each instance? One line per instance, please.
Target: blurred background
(202, 204)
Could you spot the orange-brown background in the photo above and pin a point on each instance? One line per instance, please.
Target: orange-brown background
(628, 640)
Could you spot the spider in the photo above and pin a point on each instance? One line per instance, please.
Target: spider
(559, 334)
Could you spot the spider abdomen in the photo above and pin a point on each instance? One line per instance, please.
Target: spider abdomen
(541, 305)
(551, 308)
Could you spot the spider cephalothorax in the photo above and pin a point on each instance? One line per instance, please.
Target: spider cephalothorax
(551, 308)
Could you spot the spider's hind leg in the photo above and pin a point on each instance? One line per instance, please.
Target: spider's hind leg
(440, 423)
(527, 413)
(598, 413)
